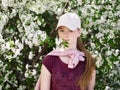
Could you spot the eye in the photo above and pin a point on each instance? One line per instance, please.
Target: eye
(71, 31)
(61, 30)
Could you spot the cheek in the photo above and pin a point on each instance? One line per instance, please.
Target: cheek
(74, 35)
(60, 35)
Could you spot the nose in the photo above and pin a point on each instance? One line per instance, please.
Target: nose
(66, 34)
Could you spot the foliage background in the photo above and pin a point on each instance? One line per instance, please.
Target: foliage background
(27, 35)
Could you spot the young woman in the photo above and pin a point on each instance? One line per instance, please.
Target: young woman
(71, 68)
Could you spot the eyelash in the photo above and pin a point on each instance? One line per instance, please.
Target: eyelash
(63, 30)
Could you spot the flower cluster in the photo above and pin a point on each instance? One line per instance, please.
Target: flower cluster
(25, 27)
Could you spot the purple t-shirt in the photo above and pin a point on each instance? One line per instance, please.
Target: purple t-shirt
(63, 78)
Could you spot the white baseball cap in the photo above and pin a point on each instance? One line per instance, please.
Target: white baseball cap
(70, 20)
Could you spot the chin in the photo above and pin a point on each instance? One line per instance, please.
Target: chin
(68, 48)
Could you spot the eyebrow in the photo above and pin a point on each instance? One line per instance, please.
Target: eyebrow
(60, 28)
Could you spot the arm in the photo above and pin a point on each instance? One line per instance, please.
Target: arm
(91, 84)
(45, 78)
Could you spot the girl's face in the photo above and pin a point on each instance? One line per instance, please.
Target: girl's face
(69, 36)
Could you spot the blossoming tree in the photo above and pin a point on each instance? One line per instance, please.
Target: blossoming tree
(26, 35)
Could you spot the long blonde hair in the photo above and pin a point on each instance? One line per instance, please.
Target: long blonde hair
(90, 66)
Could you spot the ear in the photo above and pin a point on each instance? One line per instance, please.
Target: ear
(79, 32)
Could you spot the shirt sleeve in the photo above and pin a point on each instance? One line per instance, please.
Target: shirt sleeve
(48, 63)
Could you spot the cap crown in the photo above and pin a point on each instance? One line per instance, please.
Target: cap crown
(70, 20)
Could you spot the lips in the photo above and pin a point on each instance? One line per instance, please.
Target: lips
(66, 40)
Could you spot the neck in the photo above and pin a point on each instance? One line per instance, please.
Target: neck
(69, 48)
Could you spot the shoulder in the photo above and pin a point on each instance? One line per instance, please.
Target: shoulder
(49, 59)
(48, 62)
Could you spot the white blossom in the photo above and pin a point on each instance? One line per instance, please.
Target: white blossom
(43, 36)
(29, 43)
(29, 21)
(84, 33)
(1, 87)
(30, 55)
(119, 57)
(19, 44)
(2, 41)
(3, 20)
(35, 40)
(99, 61)
(107, 88)
(26, 74)
(27, 66)
(7, 86)
(21, 87)
(59, 11)
(37, 65)
(4, 67)
(7, 45)
(37, 7)
(99, 35)
(96, 52)
(3, 48)
(7, 75)
(116, 52)
(1, 63)
(39, 22)
(108, 53)
(39, 49)
(102, 20)
(30, 35)
(13, 13)
(101, 40)
(5, 3)
(92, 45)
(117, 62)
(1, 37)
(111, 35)
(34, 72)
(58, 42)
(80, 2)
(16, 52)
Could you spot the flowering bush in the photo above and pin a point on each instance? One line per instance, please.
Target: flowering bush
(26, 35)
